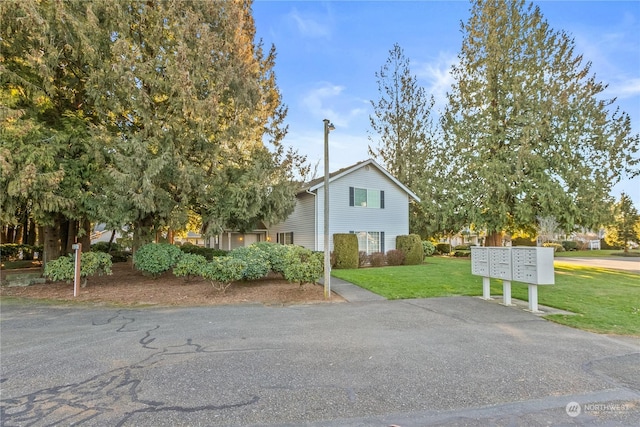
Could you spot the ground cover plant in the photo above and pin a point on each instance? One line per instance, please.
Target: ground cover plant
(604, 301)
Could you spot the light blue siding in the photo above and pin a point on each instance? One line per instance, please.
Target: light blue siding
(393, 219)
(307, 220)
(301, 222)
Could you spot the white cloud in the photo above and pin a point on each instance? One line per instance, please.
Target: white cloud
(438, 76)
(329, 101)
(625, 89)
(308, 27)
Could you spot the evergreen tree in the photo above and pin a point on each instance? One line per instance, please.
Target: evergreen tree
(407, 145)
(189, 97)
(625, 220)
(139, 113)
(526, 129)
(48, 162)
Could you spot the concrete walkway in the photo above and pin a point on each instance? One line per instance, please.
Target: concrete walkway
(351, 292)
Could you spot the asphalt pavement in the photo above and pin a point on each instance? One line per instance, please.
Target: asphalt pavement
(631, 264)
(441, 361)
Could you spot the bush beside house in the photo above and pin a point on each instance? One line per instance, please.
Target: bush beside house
(345, 249)
(411, 246)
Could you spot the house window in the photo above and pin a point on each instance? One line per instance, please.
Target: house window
(366, 198)
(370, 241)
(285, 238)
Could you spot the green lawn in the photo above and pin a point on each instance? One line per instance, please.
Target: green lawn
(605, 301)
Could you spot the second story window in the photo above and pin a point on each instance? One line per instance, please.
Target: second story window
(366, 198)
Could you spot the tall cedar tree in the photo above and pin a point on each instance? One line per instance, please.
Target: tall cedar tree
(149, 110)
(527, 131)
(403, 126)
(48, 162)
(189, 97)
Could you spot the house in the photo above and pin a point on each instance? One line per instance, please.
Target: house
(363, 198)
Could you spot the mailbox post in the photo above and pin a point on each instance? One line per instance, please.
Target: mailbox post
(76, 277)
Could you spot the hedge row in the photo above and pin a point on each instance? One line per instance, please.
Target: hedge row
(295, 263)
(16, 251)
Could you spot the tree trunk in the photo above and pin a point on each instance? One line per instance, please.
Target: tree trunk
(40, 235)
(86, 237)
(71, 228)
(25, 229)
(10, 234)
(32, 233)
(142, 233)
(52, 243)
(493, 238)
(111, 239)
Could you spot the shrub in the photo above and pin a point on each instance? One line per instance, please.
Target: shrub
(605, 245)
(104, 247)
(120, 256)
(256, 261)
(156, 258)
(461, 248)
(91, 263)
(428, 248)
(223, 271)
(395, 257)
(9, 251)
(363, 259)
(345, 247)
(557, 247)
(62, 268)
(461, 253)
(208, 253)
(189, 266)
(570, 245)
(411, 245)
(276, 254)
(377, 259)
(15, 251)
(443, 248)
(523, 241)
(303, 265)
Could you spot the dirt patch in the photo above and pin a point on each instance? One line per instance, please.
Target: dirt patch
(128, 287)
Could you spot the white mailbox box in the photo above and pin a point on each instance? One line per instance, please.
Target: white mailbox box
(479, 261)
(533, 265)
(500, 263)
(530, 265)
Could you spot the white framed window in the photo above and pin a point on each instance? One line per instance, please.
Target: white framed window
(366, 198)
(370, 241)
(285, 238)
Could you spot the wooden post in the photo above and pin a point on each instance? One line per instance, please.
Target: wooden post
(76, 277)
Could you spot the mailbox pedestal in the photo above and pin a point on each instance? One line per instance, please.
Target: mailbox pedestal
(530, 265)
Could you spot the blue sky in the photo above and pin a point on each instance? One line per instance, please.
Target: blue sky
(329, 51)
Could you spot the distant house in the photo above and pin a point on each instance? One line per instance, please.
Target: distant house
(364, 199)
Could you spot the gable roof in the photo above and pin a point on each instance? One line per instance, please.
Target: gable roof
(319, 182)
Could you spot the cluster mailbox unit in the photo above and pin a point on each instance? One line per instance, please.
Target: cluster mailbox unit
(531, 265)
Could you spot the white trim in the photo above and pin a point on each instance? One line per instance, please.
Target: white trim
(361, 165)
